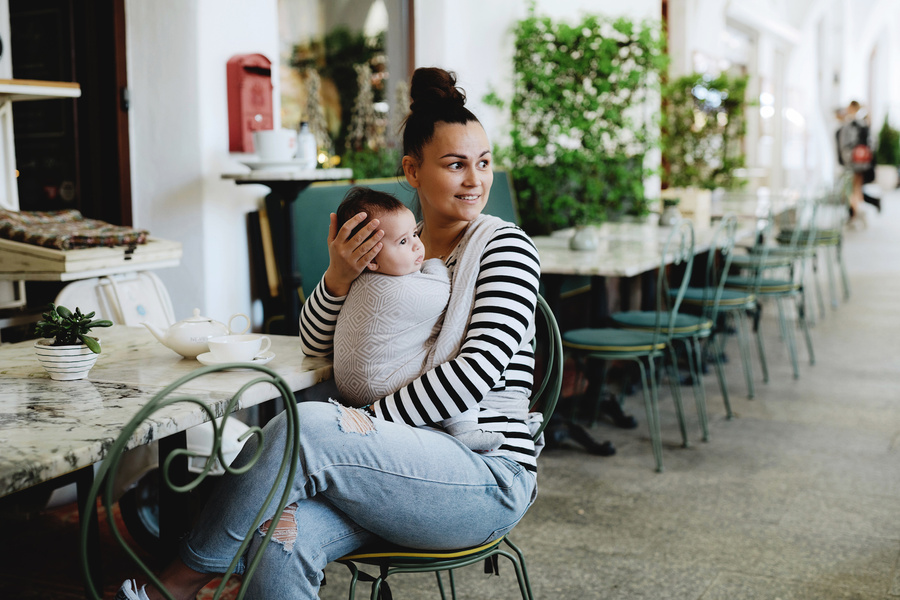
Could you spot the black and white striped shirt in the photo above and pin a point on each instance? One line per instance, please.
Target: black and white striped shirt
(494, 369)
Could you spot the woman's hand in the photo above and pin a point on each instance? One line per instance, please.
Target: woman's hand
(348, 255)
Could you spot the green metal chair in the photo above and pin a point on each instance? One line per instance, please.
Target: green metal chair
(714, 302)
(780, 277)
(174, 471)
(686, 328)
(392, 560)
(646, 345)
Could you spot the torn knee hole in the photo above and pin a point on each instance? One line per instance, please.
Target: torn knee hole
(354, 420)
(286, 530)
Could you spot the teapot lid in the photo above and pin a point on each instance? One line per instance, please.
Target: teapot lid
(197, 318)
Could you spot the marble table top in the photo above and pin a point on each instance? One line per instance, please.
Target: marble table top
(623, 249)
(49, 428)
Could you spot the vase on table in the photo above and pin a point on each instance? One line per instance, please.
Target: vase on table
(583, 239)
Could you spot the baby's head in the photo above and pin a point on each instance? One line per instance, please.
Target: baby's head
(402, 252)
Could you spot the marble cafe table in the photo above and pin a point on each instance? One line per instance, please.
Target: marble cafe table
(52, 430)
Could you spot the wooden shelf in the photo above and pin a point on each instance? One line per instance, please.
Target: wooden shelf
(16, 90)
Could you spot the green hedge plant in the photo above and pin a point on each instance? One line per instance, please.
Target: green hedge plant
(702, 126)
(888, 151)
(579, 118)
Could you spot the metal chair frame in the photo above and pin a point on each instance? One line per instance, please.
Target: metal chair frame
(104, 480)
(609, 344)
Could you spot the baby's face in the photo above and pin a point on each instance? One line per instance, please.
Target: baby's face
(402, 252)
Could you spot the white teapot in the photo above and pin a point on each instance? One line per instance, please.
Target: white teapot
(189, 337)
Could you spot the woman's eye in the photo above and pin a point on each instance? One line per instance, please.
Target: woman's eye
(455, 166)
(484, 164)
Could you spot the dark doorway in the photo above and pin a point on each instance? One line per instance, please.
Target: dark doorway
(73, 153)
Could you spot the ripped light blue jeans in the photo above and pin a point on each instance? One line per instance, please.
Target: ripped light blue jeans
(359, 479)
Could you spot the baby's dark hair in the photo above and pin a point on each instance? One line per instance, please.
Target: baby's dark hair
(372, 202)
(434, 99)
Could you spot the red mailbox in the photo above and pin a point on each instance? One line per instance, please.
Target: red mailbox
(249, 99)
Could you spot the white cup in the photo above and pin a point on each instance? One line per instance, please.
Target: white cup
(238, 348)
(275, 144)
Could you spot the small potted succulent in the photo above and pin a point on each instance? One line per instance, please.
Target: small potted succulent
(71, 352)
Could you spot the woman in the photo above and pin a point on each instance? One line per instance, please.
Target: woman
(382, 473)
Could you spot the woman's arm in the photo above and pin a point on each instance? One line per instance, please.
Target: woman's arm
(347, 258)
(505, 300)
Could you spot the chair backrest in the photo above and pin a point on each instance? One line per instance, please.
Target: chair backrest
(310, 213)
(142, 427)
(546, 393)
(126, 299)
(721, 247)
(678, 250)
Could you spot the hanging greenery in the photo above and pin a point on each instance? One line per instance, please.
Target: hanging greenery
(581, 121)
(702, 127)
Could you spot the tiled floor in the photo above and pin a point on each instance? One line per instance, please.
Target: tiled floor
(797, 498)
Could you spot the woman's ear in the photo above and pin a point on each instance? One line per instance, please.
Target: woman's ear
(411, 170)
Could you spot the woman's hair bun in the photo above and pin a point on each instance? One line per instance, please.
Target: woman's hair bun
(432, 88)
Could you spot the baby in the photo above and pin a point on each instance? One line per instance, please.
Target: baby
(387, 327)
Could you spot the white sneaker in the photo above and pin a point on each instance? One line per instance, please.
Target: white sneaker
(129, 591)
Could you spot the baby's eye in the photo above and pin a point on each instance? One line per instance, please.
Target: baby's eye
(403, 241)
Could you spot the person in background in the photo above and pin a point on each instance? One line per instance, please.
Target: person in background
(855, 154)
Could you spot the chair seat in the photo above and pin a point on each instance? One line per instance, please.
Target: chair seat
(766, 286)
(730, 299)
(646, 320)
(744, 261)
(618, 341)
(400, 554)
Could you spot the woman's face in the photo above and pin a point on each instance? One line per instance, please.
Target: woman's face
(455, 175)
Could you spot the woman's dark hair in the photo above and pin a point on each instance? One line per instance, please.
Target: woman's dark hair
(362, 199)
(434, 98)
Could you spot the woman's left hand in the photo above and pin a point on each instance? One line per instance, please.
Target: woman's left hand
(349, 255)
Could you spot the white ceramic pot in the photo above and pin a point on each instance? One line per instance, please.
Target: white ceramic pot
(583, 239)
(65, 363)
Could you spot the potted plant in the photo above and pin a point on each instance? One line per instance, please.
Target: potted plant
(67, 350)
(702, 123)
(887, 156)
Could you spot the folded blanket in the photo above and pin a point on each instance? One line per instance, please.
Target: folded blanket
(65, 230)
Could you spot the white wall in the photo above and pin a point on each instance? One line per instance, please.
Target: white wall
(177, 54)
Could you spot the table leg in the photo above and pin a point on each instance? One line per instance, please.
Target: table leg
(84, 479)
(174, 513)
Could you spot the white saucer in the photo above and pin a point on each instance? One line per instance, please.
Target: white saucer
(268, 165)
(207, 359)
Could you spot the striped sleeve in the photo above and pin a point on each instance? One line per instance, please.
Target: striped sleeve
(503, 315)
(318, 316)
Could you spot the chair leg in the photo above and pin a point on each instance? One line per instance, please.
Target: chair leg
(832, 285)
(521, 556)
(819, 296)
(692, 350)
(744, 343)
(717, 341)
(838, 250)
(788, 336)
(801, 316)
(675, 385)
(354, 577)
(760, 347)
(651, 406)
(452, 584)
